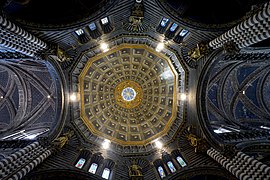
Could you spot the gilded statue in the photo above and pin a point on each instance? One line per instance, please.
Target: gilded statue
(137, 15)
(200, 50)
(193, 140)
(135, 170)
(194, 53)
(62, 140)
(200, 145)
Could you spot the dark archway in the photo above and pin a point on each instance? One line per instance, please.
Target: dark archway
(210, 13)
(51, 13)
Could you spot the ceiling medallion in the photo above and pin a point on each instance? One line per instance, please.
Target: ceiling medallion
(128, 94)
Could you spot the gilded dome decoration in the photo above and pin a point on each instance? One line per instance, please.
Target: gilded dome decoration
(128, 94)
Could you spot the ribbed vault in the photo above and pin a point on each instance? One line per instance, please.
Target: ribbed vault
(30, 98)
(239, 93)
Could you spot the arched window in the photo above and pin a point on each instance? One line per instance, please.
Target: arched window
(183, 32)
(104, 20)
(93, 168)
(171, 166)
(164, 22)
(173, 27)
(92, 26)
(80, 163)
(79, 32)
(161, 172)
(106, 25)
(106, 173)
(181, 161)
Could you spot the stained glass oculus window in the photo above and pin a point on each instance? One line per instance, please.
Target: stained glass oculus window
(93, 168)
(80, 163)
(171, 166)
(128, 94)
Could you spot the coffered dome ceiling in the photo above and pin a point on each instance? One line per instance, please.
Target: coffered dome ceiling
(128, 95)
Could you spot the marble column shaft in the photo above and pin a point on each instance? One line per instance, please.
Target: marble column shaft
(241, 165)
(251, 31)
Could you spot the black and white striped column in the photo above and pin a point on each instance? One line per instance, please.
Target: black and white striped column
(251, 31)
(21, 162)
(22, 172)
(241, 165)
(17, 39)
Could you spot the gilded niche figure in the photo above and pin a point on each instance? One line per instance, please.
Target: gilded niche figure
(56, 53)
(193, 140)
(200, 145)
(199, 51)
(62, 140)
(137, 15)
(135, 170)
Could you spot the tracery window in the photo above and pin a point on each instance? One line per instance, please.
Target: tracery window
(93, 168)
(80, 163)
(161, 172)
(106, 173)
(171, 166)
(181, 161)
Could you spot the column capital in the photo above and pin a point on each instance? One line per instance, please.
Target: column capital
(231, 48)
(228, 150)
